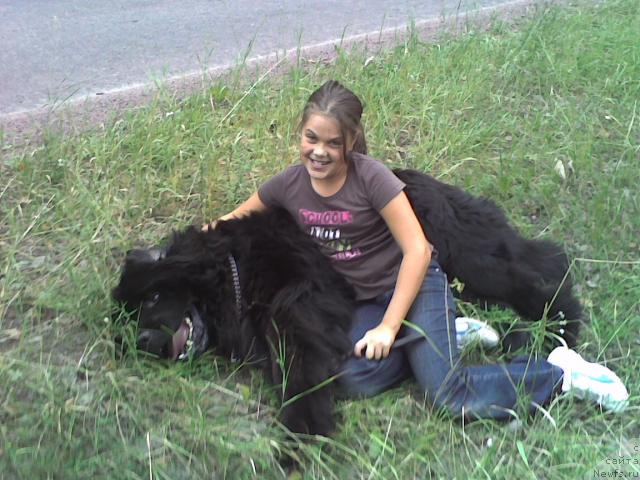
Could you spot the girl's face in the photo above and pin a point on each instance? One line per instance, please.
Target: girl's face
(322, 149)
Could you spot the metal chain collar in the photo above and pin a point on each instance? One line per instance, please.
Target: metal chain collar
(236, 284)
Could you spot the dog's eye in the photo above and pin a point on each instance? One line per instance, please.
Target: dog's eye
(152, 299)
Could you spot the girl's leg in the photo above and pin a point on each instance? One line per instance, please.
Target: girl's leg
(480, 391)
(362, 377)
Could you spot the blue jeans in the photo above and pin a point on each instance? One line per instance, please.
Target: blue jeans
(487, 391)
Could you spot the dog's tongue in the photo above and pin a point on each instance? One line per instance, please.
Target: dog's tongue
(179, 340)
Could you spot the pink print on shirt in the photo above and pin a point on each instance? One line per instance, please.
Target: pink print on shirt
(330, 217)
(324, 227)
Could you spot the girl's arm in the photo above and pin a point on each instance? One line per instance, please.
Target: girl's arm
(251, 204)
(416, 255)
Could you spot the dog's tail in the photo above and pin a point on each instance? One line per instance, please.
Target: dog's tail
(542, 288)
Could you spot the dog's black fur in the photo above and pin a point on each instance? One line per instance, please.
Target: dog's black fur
(296, 310)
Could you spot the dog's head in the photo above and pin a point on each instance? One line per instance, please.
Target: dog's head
(161, 288)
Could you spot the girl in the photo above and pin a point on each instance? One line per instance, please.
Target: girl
(356, 209)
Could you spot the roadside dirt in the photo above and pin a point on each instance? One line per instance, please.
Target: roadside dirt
(27, 129)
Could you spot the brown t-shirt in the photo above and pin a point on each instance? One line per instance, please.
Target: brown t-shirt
(347, 225)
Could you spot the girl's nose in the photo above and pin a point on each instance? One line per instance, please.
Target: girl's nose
(318, 151)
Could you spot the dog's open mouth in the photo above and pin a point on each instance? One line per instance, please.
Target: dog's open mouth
(182, 340)
(190, 339)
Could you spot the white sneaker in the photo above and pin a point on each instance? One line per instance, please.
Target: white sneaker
(471, 330)
(590, 381)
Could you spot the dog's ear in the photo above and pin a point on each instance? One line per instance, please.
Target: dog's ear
(146, 255)
(136, 262)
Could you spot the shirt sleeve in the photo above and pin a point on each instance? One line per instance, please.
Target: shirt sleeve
(272, 192)
(382, 184)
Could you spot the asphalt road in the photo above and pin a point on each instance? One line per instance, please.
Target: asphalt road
(54, 52)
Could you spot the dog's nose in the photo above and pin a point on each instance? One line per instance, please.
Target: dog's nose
(152, 341)
(144, 338)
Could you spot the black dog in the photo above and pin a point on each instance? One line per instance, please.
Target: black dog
(256, 289)
(259, 289)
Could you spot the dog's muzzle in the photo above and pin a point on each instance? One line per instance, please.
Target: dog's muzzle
(188, 341)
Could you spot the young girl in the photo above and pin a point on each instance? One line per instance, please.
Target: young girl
(356, 209)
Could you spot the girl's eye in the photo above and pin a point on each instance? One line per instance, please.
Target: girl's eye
(336, 143)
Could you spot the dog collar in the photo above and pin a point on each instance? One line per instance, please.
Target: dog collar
(236, 284)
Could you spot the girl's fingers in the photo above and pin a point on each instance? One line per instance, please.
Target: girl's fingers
(371, 352)
(209, 226)
(372, 348)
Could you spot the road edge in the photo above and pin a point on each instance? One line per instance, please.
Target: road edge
(28, 128)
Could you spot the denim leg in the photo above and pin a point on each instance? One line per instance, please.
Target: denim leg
(487, 391)
(363, 377)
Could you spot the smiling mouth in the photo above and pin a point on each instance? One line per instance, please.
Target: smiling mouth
(319, 163)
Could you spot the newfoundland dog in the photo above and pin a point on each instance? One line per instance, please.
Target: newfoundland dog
(258, 289)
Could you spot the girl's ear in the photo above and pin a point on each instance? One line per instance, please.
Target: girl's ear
(355, 140)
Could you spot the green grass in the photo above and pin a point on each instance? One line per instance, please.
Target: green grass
(493, 112)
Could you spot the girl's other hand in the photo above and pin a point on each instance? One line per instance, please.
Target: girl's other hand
(376, 343)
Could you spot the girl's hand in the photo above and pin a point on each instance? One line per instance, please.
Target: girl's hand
(209, 226)
(377, 342)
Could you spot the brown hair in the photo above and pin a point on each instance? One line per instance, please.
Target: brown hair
(341, 104)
